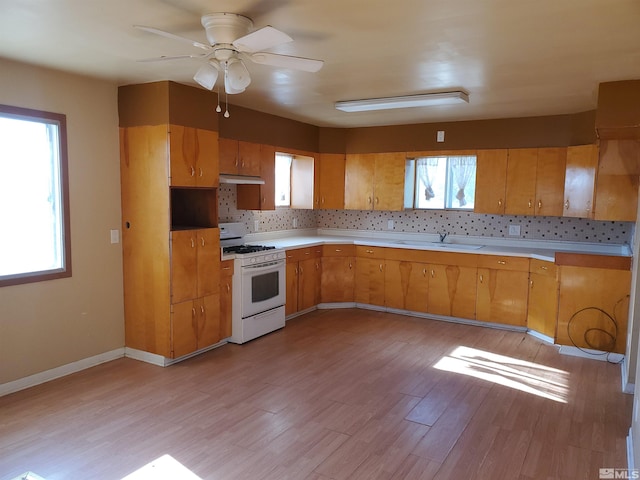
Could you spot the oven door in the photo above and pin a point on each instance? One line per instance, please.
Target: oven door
(263, 287)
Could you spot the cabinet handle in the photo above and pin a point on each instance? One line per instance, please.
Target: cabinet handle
(228, 288)
(236, 162)
(317, 266)
(226, 268)
(296, 270)
(380, 267)
(193, 171)
(529, 204)
(368, 199)
(499, 202)
(544, 268)
(202, 309)
(424, 272)
(264, 200)
(193, 244)
(193, 312)
(377, 200)
(338, 249)
(322, 200)
(481, 278)
(539, 204)
(307, 253)
(502, 262)
(433, 273)
(566, 204)
(531, 283)
(202, 241)
(350, 266)
(200, 170)
(301, 270)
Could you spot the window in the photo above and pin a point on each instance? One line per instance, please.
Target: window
(283, 179)
(34, 205)
(441, 182)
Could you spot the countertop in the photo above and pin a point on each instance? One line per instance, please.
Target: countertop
(539, 249)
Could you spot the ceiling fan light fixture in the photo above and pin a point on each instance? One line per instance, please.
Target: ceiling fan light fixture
(407, 101)
(206, 76)
(238, 74)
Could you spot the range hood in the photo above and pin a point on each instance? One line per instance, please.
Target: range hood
(241, 179)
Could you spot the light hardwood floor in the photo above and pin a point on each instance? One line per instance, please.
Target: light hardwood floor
(342, 394)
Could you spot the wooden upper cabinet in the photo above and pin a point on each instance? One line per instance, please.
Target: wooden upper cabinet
(491, 181)
(374, 181)
(617, 183)
(388, 184)
(521, 181)
(579, 183)
(550, 178)
(261, 197)
(193, 157)
(358, 181)
(329, 181)
(238, 157)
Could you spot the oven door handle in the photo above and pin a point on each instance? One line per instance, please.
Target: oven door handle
(264, 266)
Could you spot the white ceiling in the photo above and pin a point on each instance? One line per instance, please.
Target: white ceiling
(514, 57)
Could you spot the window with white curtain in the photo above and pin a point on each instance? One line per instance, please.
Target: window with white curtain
(441, 182)
(35, 244)
(283, 179)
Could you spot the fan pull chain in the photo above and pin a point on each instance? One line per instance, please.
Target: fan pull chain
(218, 109)
(226, 100)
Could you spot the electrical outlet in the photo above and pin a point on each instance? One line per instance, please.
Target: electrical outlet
(256, 225)
(440, 136)
(115, 236)
(389, 224)
(295, 222)
(514, 230)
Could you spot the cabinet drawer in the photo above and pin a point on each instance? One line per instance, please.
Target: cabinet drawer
(299, 254)
(548, 269)
(498, 262)
(226, 268)
(338, 250)
(370, 252)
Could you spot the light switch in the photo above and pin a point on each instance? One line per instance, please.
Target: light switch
(514, 230)
(440, 136)
(115, 236)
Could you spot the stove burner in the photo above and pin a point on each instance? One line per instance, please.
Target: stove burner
(240, 249)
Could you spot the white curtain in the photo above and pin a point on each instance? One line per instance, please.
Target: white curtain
(463, 169)
(426, 171)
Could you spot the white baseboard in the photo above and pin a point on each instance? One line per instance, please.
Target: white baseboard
(592, 354)
(333, 306)
(627, 386)
(160, 361)
(69, 368)
(630, 460)
(541, 336)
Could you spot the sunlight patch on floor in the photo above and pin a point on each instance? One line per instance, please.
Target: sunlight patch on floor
(510, 372)
(164, 468)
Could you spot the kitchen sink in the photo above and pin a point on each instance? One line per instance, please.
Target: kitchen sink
(457, 246)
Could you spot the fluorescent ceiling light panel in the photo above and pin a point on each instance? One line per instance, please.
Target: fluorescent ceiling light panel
(423, 100)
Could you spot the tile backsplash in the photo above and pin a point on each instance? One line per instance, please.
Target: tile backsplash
(428, 221)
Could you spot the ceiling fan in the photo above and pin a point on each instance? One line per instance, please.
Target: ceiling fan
(230, 44)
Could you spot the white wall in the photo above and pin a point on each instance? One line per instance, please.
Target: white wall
(48, 324)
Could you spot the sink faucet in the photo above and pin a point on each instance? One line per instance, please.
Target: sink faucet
(442, 236)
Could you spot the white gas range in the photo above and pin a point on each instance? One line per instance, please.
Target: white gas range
(259, 288)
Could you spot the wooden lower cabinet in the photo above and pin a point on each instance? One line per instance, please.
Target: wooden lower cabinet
(338, 273)
(226, 298)
(593, 304)
(195, 324)
(452, 291)
(406, 285)
(502, 296)
(302, 279)
(370, 282)
(542, 311)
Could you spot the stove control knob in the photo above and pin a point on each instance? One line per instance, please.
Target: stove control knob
(252, 260)
(268, 257)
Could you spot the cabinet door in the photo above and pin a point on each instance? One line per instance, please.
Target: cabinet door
(208, 249)
(552, 163)
(521, 181)
(207, 165)
(268, 174)
(331, 180)
(249, 158)
(358, 181)
(308, 283)
(617, 184)
(502, 296)
(291, 304)
(579, 182)
(388, 186)
(406, 285)
(226, 298)
(452, 291)
(183, 329)
(208, 315)
(542, 312)
(369, 286)
(184, 265)
(337, 279)
(228, 155)
(491, 181)
(182, 154)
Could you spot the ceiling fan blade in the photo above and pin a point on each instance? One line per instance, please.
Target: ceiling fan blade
(173, 36)
(286, 61)
(172, 57)
(262, 39)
